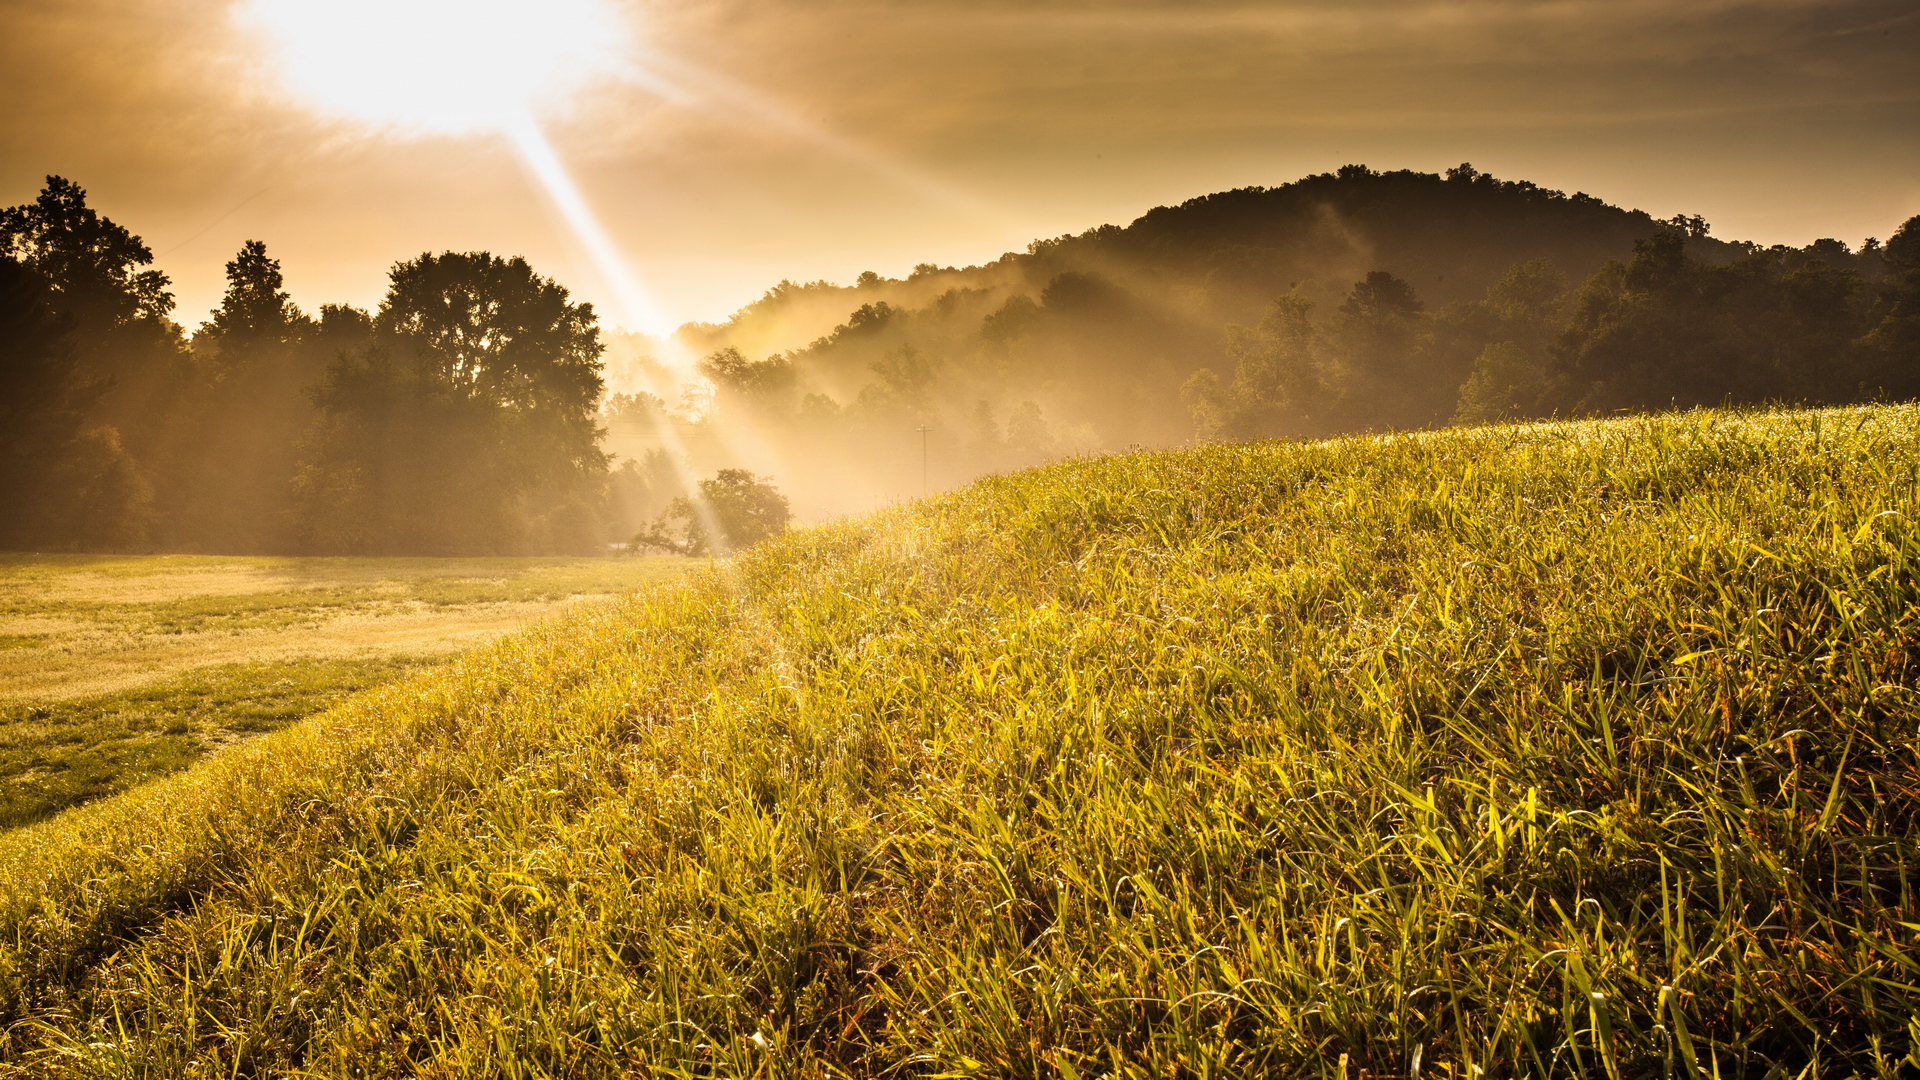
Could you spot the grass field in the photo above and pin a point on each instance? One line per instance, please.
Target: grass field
(1557, 750)
(117, 670)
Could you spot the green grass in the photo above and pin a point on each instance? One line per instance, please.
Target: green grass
(63, 753)
(135, 667)
(1558, 750)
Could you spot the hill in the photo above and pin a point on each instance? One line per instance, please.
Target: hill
(1342, 302)
(1563, 749)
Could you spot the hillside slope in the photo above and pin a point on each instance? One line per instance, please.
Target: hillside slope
(1575, 749)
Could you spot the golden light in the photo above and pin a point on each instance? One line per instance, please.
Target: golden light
(439, 66)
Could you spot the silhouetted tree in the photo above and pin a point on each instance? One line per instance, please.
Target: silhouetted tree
(255, 314)
(110, 376)
(470, 424)
(1892, 344)
(1499, 348)
(62, 483)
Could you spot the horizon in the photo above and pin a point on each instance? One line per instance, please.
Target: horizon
(675, 164)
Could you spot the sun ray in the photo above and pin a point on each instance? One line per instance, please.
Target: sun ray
(637, 307)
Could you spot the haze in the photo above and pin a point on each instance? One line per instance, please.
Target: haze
(731, 145)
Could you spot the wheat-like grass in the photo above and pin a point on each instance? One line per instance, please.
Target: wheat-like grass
(1580, 749)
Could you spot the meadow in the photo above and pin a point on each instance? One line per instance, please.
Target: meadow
(1573, 749)
(116, 670)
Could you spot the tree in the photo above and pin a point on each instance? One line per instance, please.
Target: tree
(87, 260)
(467, 425)
(99, 367)
(492, 329)
(1029, 439)
(734, 510)
(1508, 337)
(1374, 372)
(255, 312)
(758, 386)
(1278, 386)
(1892, 345)
(238, 419)
(62, 484)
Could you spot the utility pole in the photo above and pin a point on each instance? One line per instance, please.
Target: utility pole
(923, 429)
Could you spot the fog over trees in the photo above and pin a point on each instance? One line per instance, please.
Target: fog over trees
(480, 409)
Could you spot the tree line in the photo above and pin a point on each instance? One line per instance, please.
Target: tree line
(1663, 329)
(459, 417)
(468, 413)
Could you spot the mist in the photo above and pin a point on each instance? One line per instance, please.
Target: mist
(482, 409)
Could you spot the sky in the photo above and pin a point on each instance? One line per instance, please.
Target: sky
(670, 161)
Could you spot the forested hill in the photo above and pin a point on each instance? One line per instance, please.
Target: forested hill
(1342, 301)
(1222, 257)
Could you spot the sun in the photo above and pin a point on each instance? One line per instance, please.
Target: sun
(438, 66)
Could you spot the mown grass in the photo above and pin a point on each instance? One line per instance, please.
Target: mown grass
(62, 753)
(118, 591)
(186, 654)
(1558, 750)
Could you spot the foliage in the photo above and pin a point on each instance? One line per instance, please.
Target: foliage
(85, 348)
(734, 510)
(467, 427)
(256, 311)
(89, 261)
(1667, 330)
(1582, 749)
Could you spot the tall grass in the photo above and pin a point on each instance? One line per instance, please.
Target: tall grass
(1558, 750)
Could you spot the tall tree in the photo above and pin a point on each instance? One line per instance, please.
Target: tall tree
(46, 398)
(115, 368)
(468, 425)
(89, 262)
(255, 313)
(231, 463)
(1892, 345)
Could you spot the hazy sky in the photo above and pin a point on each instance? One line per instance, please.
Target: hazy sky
(724, 146)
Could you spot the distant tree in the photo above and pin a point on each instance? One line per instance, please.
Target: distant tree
(88, 261)
(236, 423)
(743, 508)
(63, 484)
(1029, 437)
(1373, 343)
(1891, 345)
(1506, 383)
(984, 444)
(1668, 330)
(493, 330)
(255, 313)
(1509, 337)
(1278, 385)
(759, 386)
(640, 490)
(44, 394)
(906, 379)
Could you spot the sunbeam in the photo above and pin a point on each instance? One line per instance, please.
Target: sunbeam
(637, 307)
